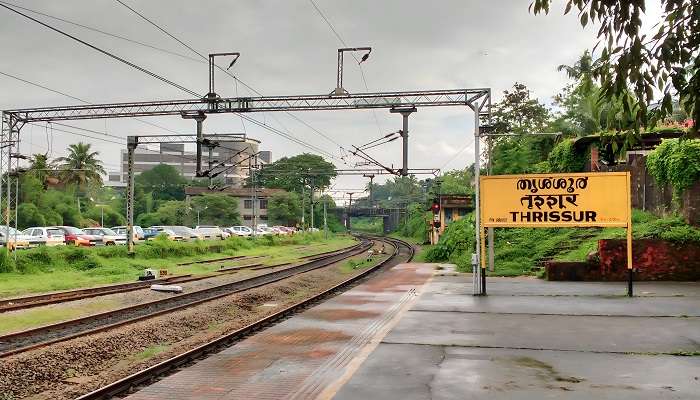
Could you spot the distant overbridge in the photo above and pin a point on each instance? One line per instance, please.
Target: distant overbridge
(391, 217)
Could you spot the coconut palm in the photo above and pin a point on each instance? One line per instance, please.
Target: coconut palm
(82, 167)
(581, 71)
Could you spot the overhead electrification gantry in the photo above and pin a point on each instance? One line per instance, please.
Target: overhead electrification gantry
(478, 100)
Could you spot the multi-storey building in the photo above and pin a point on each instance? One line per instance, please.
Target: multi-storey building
(230, 153)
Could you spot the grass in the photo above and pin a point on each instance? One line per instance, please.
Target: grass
(151, 351)
(51, 269)
(353, 265)
(25, 319)
(518, 251)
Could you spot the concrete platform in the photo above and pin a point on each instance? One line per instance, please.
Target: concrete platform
(307, 356)
(532, 339)
(416, 332)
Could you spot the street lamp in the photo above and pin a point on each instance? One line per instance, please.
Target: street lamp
(339, 81)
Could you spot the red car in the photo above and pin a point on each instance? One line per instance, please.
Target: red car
(77, 237)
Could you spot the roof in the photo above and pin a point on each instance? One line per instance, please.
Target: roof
(235, 192)
(649, 139)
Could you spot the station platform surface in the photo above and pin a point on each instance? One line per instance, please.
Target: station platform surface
(416, 332)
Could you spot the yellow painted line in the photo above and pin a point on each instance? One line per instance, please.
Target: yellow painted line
(331, 390)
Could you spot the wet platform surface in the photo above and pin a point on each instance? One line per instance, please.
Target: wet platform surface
(533, 339)
(309, 355)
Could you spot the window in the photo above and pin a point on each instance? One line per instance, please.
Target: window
(263, 204)
(247, 203)
(247, 217)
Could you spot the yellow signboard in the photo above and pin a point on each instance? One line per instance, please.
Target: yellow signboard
(552, 200)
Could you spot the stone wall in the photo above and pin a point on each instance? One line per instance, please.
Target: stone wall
(652, 260)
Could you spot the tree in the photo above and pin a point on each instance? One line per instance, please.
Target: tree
(216, 209)
(81, 167)
(42, 168)
(163, 181)
(29, 215)
(632, 63)
(110, 216)
(172, 212)
(293, 173)
(284, 209)
(518, 113)
(458, 181)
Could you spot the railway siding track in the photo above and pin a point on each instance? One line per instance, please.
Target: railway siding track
(18, 342)
(19, 303)
(144, 377)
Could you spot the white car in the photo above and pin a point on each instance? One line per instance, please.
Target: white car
(43, 236)
(211, 232)
(109, 237)
(240, 230)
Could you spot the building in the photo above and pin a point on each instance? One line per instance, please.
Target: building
(245, 201)
(174, 154)
(452, 208)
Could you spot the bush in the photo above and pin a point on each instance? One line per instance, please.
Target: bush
(676, 162)
(7, 263)
(457, 240)
(564, 158)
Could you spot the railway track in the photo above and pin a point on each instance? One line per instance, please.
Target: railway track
(403, 252)
(18, 342)
(19, 303)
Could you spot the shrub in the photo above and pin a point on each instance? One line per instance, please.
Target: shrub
(564, 158)
(676, 162)
(7, 263)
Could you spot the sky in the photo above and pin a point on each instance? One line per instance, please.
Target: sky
(287, 48)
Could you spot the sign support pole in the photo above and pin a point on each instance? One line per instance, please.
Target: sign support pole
(630, 270)
(483, 261)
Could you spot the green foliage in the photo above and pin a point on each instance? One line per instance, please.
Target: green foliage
(111, 217)
(564, 158)
(171, 212)
(216, 209)
(416, 223)
(293, 173)
(284, 209)
(458, 181)
(396, 192)
(29, 215)
(81, 167)
(367, 224)
(676, 162)
(518, 113)
(456, 242)
(521, 154)
(7, 264)
(163, 182)
(665, 60)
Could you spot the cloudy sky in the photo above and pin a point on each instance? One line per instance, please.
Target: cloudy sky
(287, 48)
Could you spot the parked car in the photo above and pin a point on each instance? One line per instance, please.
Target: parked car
(77, 237)
(122, 230)
(263, 230)
(150, 233)
(17, 240)
(240, 230)
(42, 236)
(168, 232)
(185, 232)
(210, 231)
(108, 236)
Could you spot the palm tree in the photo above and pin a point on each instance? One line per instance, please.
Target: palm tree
(82, 167)
(581, 71)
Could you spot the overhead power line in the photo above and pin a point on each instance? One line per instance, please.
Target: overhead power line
(93, 29)
(224, 70)
(126, 62)
(105, 52)
(359, 63)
